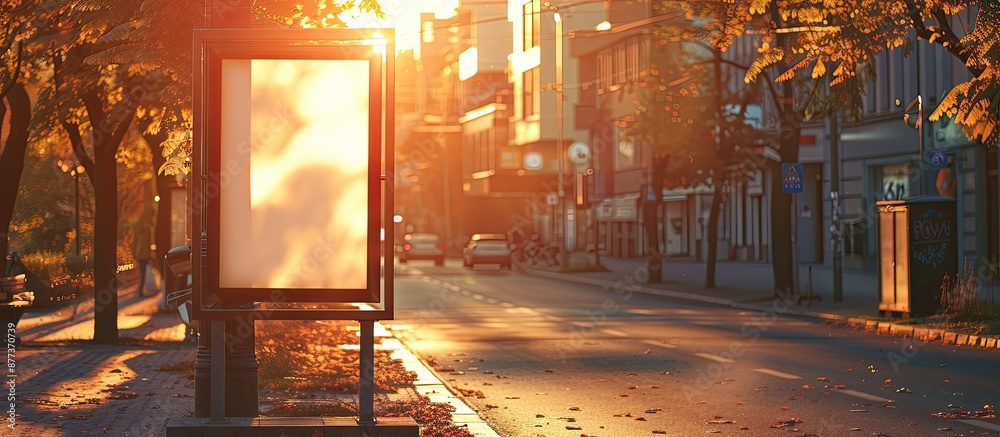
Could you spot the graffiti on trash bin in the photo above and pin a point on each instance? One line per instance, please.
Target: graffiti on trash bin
(931, 233)
(931, 255)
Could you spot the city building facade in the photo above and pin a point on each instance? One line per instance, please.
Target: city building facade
(523, 102)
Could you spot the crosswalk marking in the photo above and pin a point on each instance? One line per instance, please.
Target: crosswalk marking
(714, 357)
(660, 344)
(863, 395)
(777, 373)
(982, 424)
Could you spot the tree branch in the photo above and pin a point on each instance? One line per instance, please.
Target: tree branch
(76, 141)
(951, 42)
(809, 96)
(17, 72)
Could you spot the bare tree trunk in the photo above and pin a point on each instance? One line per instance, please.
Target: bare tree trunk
(107, 136)
(12, 159)
(654, 260)
(781, 209)
(161, 233)
(713, 228)
(650, 217)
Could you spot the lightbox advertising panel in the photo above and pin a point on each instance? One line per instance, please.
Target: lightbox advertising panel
(290, 133)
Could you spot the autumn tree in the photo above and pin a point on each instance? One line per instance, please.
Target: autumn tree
(695, 125)
(672, 115)
(158, 42)
(800, 45)
(95, 104)
(816, 58)
(16, 23)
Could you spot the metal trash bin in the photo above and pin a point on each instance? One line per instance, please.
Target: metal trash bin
(177, 286)
(918, 246)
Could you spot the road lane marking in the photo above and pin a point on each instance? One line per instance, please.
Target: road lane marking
(660, 344)
(863, 395)
(615, 332)
(777, 373)
(714, 357)
(980, 423)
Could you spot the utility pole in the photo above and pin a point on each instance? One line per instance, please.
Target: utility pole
(835, 229)
(560, 152)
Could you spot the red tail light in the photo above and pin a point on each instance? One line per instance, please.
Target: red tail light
(441, 246)
(406, 246)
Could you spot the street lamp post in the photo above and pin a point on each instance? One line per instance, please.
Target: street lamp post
(561, 234)
(75, 171)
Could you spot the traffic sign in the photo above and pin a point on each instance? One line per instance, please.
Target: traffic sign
(791, 178)
(937, 159)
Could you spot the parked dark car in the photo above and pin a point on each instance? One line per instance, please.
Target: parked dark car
(487, 249)
(422, 246)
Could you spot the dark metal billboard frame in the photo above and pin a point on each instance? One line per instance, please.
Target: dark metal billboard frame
(214, 302)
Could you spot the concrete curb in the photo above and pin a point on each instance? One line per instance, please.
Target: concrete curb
(870, 326)
(430, 385)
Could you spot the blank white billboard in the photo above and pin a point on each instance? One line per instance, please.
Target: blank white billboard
(293, 188)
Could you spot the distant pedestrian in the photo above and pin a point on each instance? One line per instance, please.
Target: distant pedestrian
(142, 250)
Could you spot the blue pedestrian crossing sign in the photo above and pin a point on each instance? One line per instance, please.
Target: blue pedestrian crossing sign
(791, 178)
(937, 159)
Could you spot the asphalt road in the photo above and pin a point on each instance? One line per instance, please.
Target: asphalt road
(542, 357)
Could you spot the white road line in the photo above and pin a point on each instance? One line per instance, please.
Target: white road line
(615, 332)
(714, 357)
(982, 424)
(777, 373)
(660, 344)
(863, 395)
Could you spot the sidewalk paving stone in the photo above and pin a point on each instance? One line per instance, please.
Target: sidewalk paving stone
(69, 386)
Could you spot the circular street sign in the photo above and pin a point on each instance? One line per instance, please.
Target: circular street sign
(579, 153)
(533, 161)
(937, 159)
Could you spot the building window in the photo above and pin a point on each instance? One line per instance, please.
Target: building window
(644, 53)
(895, 182)
(626, 150)
(885, 82)
(529, 19)
(529, 80)
(604, 69)
(620, 64)
(632, 60)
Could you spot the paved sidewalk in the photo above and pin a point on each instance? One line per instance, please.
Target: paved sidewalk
(66, 386)
(751, 286)
(742, 283)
